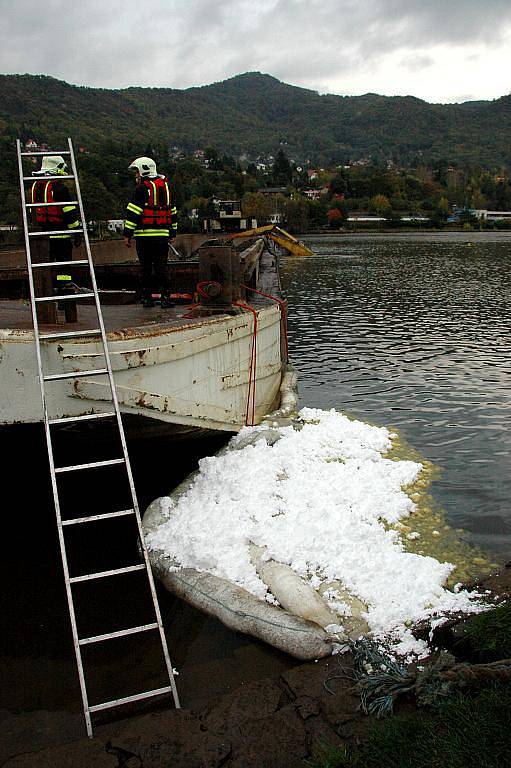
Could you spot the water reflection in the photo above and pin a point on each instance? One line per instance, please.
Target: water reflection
(415, 332)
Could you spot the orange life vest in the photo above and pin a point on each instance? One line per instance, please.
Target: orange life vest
(49, 216)
(157, 213)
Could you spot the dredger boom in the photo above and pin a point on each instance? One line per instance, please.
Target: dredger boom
(279, 236)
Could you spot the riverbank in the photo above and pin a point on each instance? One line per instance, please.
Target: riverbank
(404, 232)
(305, 715)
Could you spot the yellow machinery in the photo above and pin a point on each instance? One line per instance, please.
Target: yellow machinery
(280, 236)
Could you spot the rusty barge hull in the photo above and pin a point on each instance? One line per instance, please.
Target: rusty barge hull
(169, 365)
(194, 374)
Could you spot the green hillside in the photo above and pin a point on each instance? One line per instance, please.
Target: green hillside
(252, 113)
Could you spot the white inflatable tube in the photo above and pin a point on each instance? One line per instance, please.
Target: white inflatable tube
(234, 606)
(292, 592)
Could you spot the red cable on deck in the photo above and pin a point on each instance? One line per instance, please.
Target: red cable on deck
(252, 370)
(283, 315)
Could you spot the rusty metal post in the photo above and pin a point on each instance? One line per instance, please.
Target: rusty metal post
(43, 281)
(220, 264)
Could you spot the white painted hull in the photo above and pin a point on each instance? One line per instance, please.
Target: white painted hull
(195, 375)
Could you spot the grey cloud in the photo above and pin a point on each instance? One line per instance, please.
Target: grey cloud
(416, 63)
(306, 42)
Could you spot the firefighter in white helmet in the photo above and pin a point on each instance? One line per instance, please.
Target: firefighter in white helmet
(55, 217)
(151, 220)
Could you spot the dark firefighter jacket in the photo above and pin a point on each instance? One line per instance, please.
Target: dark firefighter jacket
(51, 217)
(151, 213)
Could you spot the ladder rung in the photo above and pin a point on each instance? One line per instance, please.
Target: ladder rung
(90, 465)
(67, 297)
(76, 262)
(53, 204)
(120, 633)
(104, 574)
(85, 417)
(46, 152)
(95, 518)
(48, 178)
(69, 334)
(56, 232)
(129, 699)
(75, 374)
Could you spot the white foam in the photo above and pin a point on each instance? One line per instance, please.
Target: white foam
(317, 499)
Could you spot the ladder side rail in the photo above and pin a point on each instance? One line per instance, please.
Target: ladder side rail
(62, 543)
(115, 402)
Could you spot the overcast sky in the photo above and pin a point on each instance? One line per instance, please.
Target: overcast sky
(438, 50)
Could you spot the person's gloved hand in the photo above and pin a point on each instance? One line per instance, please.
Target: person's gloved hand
(127, 242)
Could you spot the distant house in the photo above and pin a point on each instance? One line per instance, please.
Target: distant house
(115, 225)
(272, 190)
(312, 174)
(484, 215)
(228, 218)
(31, 145)
(176, 152)
(316, 194)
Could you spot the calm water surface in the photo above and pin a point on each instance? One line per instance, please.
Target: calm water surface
(414, 332)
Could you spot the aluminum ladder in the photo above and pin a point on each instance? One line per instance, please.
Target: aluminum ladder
(44, 379)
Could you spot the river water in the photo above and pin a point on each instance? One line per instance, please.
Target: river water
(413, 331)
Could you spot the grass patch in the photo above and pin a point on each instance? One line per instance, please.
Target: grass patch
(488, 634)
(464, 732)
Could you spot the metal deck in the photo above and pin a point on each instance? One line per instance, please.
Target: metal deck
(127, 319)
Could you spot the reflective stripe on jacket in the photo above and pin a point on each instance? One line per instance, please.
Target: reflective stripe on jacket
(52, 217)
(150, 213)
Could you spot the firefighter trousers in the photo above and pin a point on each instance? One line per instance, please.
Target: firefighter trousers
(153, 254)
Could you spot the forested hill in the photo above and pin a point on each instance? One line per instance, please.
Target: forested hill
(254, 113)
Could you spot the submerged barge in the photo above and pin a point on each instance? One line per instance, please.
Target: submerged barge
(214, 361)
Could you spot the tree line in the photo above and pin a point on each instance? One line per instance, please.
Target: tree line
(372, 187)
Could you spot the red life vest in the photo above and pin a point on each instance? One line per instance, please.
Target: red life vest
(157, 213)
(49, 216)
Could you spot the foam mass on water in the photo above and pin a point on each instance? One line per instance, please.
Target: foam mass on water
(339, 501)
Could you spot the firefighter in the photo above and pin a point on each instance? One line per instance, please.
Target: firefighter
(151, 220)
(56, 217)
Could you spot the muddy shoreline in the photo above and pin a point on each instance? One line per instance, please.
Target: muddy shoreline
(244, 703)
(274, 721)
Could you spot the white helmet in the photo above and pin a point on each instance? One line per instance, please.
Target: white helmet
(52, 165)
(144, 165)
